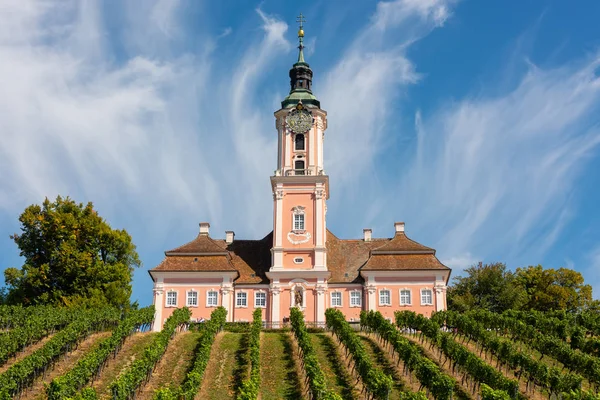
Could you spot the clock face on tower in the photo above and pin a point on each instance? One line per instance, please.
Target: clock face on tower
(299, 119)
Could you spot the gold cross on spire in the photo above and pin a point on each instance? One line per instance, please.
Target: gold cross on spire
(300, 19)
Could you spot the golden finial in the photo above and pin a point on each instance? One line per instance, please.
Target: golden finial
(300, 19)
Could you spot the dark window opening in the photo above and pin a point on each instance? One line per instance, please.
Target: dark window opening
(299, 167)
(299, 142)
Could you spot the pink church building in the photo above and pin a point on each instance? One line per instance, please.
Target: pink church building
(300, 263)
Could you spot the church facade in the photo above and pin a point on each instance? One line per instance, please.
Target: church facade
(300, 263)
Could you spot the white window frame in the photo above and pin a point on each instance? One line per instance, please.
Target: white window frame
(262, 293)
(298, 260)
(341, 299)
(167, 304)
(239, 297)
(188, 298)
(402, 302)
(208, 304)
(389, 302)
(359, 293)
(424, 303)
(300, 224)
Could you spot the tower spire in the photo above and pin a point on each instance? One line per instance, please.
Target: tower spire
(300, 19)
(301, 76)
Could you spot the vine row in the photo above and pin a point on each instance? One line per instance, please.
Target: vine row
(127, 383)
(316, 378)
(90, 365)
(250, 387)
(22, 374)
(508, 353)
(376, 382)
(31, 325)
(427, 372)
(193, 379)
(478, 369)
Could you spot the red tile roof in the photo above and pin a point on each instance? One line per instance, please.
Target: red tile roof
(394, 262)
(202, 244)
(345, 258)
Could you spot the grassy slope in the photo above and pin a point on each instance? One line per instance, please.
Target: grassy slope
(174, 365)
(337, 376)
(219, 377)
(279, 379)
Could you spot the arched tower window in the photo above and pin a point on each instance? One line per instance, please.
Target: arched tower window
(299, 167)
(299, 142)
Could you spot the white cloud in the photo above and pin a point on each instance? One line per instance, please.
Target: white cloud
(500, 170)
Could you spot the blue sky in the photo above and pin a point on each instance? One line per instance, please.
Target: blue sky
(477, 123)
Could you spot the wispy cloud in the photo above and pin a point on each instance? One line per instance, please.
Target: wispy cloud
(500, 170)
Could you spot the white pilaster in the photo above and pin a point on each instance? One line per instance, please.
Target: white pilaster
(159, 304)
(321, 289)
(275, 304)
(226, 295)
(312, 160)
(371, 291)
(287, 140)
(440, 298)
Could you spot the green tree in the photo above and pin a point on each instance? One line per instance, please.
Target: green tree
(550, 289)
(489, 286)
(72, 257)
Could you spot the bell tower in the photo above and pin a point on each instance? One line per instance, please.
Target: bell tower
(300, 191)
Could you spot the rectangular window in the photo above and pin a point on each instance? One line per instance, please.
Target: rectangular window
(426, 297)
(385, 298)
(212, 297)
(355, 299)
(260, 299)
(241, 299)
(192, 298)
(171, 299)
(298, 222)
(404, 297)
(336, 299)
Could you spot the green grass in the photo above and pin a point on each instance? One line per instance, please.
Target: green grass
(337, 376)
(219, 379)
(279, 379)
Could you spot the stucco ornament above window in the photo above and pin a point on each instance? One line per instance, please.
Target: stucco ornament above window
(298, 238)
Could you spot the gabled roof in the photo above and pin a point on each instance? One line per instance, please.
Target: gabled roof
(191, 263)
(200, 246)
(402, 244)
(394, 262)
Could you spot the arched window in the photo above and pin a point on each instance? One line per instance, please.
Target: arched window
(299, 142)
(299, 167)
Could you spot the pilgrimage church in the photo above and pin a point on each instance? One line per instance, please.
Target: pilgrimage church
(300, 263)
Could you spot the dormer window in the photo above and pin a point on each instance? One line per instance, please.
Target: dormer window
(299, 142)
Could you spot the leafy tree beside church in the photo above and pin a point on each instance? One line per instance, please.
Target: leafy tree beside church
(72, 257)
(493, 287)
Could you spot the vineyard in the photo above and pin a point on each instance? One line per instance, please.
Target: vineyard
(50, 353)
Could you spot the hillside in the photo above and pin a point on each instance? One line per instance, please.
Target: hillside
(96, 354)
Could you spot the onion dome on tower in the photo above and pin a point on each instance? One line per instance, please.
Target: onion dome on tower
(301, 77)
